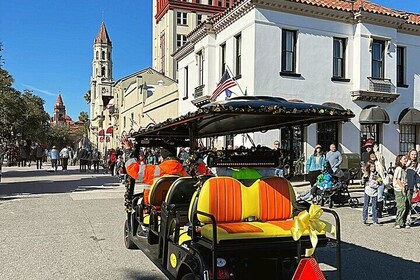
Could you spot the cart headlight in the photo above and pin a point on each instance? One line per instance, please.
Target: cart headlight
(221, 262)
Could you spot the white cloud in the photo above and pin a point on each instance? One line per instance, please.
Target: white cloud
(40, 90)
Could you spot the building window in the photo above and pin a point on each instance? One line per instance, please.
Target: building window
(219, 3)
(125, 124)
(186, 82)
(378, 59)
(288, 56)
(97, 55)
(223, 57)
(227, 3)
(327, 135)
(210, 2)
(369, 131)
(339, 64)
(199, 18)
(400, 66)
(407, 138)
(103, 71)
(180, 40)
(103, 55)
(162, 53)
(200, 68)
(181, 18)
(109, 55)
(238, 55)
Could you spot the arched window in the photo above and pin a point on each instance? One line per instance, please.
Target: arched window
(103, 55)
(103, 71)
(109, 72)
(109, 55)
(97, 54)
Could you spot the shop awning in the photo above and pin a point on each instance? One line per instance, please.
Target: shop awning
(373, 115)
(409, 116)
(101, 132)
(333, 105)
(110, 130)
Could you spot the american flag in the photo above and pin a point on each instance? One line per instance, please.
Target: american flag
(225, 82)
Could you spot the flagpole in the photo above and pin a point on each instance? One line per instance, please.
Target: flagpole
(230, 73)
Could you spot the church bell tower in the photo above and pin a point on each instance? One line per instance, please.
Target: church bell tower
(101, 80)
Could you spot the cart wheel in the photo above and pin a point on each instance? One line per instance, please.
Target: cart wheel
(129, 244)
(353, 202)
(189, 276)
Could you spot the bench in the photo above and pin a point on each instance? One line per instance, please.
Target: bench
(229, 210)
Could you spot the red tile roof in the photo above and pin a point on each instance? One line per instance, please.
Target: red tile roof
(346, 6)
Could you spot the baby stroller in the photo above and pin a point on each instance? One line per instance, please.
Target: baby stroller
(332, 188)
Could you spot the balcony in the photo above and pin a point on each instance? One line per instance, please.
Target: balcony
(379, 90)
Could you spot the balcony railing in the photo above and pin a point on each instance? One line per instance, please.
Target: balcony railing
(381, 85)
(198, 91)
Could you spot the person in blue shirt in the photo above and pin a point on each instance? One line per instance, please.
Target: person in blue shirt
(54, 158)
(334, 157)
(314, 166)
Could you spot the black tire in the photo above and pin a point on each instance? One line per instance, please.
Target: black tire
(189, 276)
(129, 244)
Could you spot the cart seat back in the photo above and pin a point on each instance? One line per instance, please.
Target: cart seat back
(160, 188)
(276, 197)
(222, 198)
(181, 191)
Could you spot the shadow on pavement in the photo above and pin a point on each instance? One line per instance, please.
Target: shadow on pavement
(362, 263)
(45, 171)
(140, 275)
(64, 186)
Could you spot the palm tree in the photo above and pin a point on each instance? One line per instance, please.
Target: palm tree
(86, 97)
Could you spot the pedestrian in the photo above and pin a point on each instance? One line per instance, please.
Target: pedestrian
(413, 180)
(279, 171)
(334, 157)
(39, 153)
(23, 154)
(372, 181)
(54, 158)
(315, 164)
(381, 171)
(112, 161)
(400, 184)
(64, 155)
(368, 146)
(95, 160)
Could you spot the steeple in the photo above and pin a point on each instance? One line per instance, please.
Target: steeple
(59, 101)
(103, 37)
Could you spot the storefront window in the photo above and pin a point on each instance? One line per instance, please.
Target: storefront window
(369, 131)
(292, 145)
(407, 138)
(327, 135)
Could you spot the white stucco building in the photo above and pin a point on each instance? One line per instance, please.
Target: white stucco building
(354, 54)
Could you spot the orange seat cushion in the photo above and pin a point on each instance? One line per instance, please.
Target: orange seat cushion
(222, 198)
(239, 228)
(275, 199)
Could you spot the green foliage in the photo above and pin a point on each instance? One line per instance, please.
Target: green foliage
(87, 97)
(60, 136)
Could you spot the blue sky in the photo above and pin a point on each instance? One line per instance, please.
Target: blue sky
(48, 44)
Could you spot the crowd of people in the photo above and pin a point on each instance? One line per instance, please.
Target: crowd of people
(401, 179)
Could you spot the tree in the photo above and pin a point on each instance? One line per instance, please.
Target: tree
(83, 117)
(87, 97)
(60, 136)
(35, 118)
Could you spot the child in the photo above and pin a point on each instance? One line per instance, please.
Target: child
(372, 181)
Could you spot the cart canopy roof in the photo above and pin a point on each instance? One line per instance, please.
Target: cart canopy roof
(242, 115)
